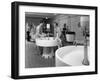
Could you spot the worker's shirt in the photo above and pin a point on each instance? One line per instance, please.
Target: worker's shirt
(38, 30)
(57, 30)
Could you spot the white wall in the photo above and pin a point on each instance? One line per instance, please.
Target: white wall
(5, 41)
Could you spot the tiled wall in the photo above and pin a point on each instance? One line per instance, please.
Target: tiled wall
(33, 20)
(61, 20)
(73, 22)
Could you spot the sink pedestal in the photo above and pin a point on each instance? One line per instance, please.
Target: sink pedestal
(48, 46)
(48, 52)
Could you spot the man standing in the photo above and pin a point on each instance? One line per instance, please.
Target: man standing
(28, 37)
(39, 30)
(57, 34)
(40, 34)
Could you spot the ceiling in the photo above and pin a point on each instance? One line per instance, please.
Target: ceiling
(49, 15)
(39, 15)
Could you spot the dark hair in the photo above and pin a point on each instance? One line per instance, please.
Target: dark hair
(56, 23)
(44, 20)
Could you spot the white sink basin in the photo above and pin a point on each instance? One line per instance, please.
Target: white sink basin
(70, 56)
(46, 42)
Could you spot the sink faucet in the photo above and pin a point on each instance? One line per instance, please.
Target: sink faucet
(75, 43)
(85, 60)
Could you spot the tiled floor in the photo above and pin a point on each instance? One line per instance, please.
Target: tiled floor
(33, 59)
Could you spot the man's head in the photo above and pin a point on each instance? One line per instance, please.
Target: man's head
(55, 24)
(44, 20)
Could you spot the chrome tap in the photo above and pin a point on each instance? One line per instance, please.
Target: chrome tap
(75, 43)
(85, 60)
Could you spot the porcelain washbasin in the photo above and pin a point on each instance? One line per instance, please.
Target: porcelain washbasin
(46, 42)
(70, 56)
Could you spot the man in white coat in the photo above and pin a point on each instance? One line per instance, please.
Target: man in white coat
(40, 34)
